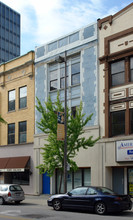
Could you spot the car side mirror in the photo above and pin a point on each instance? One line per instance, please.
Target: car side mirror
(69, 194)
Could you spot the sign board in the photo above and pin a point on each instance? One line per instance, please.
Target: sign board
(12, 170)
(60, 126)
(124, 150)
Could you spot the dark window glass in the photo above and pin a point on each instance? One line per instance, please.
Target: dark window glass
(131, 69)
(18, 19)
(118, 123)
(131, 121)
(75, 71)
(23, 97)
(22, 132)
(118, 73)
(62, 82)
(11, 15)
(11, 133)
(3, 10)
(7, 13)
(73, 110)
(21, 178)
(11, 100)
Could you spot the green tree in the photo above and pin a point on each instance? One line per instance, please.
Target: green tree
(2, 120)
(53, 152)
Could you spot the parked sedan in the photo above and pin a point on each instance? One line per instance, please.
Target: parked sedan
(11, 193)
(98, 199)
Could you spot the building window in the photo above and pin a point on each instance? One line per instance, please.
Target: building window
(11, 100)
(118, 123)
(75, 72)
(23, 97)
(131, 69)
(62, 78)
(11, 133)
(73, 111)
(21, 178)
(22, 132)
(53, 77)
(118, 73)
(82, 177)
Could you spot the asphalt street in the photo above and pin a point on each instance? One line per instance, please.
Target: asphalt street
(35, 208)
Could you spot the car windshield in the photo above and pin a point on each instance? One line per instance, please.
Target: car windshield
(105, 191)
(15, 188)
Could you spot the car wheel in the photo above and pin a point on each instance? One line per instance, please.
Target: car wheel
(100, 208)
(57, 204)
(1, 201)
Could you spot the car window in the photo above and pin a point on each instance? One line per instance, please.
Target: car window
(79, 191)
(4, 188)
(91, 191)
(105, 191)
(15, 188)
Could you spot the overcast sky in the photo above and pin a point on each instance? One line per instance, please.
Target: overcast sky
(45, 20)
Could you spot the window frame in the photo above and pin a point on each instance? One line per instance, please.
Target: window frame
(53, 68)
(14, 100)
(20, 98)
(111, 127)
(22, 133)
(75, 74)
(117, 73)
(11, 134)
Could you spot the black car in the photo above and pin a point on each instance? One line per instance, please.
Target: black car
(98, 199)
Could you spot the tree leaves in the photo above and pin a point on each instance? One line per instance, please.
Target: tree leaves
(53, 151)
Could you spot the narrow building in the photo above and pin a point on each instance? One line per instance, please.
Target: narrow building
(116, 99)
(80, 49)
(17, 109)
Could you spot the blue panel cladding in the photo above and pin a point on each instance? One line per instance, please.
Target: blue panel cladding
(63, 42)
(40, 52)
(73, 37)
(89, 31)
(90, 84)
(52, 46)
(40, 88)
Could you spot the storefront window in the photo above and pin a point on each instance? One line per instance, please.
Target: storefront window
(21, 178)
(77, 178)
(87, 177)
(82, 177)
(130, 181)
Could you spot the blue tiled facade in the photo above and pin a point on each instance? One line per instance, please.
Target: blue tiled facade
(90, 85)
(80, 47)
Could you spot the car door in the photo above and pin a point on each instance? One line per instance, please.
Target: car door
(76, 198)
(90, 198)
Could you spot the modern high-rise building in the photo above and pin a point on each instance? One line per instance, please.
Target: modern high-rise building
(9, 33)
